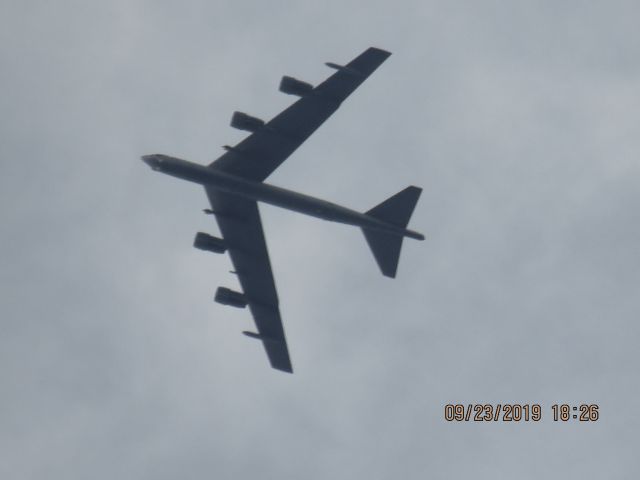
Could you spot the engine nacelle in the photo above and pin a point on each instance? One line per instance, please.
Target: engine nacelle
(242, 121)
(207, 242)
(226, 296)
(293, 86)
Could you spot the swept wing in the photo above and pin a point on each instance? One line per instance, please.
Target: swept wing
(240, 225)
(258, 155)
(255, 158)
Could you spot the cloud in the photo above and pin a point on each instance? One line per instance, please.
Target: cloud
(520, 122)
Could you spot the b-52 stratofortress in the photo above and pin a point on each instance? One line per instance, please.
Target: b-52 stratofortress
(234, 184)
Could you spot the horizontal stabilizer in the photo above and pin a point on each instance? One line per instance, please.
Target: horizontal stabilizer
(397, 211)
(386, 250)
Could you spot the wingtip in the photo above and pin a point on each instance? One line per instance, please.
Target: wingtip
(380, 51)
(283, 368)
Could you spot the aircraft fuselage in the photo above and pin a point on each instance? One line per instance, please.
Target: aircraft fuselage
(271, 194)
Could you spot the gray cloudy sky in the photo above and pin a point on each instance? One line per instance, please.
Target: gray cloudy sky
(520, 121)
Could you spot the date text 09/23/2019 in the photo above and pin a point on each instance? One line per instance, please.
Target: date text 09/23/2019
(516, 412)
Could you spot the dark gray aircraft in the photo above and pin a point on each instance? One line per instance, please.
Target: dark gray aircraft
(234, 184)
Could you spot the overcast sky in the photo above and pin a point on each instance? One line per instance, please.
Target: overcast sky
(518, 119)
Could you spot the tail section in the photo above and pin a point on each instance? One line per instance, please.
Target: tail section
(397, 211)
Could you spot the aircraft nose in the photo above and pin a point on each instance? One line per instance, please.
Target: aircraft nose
(152, 161)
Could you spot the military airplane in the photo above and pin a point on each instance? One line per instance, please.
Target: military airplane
(234, 183)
